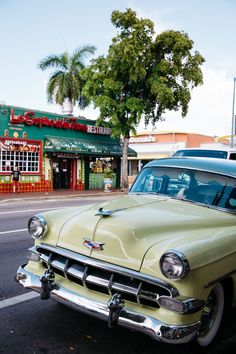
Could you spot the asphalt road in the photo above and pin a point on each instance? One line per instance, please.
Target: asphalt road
(29, 325)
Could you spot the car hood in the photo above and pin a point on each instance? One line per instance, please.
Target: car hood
(122, 231)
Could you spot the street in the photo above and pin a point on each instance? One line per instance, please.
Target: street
(30, 325)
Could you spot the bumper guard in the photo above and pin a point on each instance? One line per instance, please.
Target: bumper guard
(127, 318)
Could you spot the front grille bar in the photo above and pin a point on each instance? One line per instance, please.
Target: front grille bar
(105, 277)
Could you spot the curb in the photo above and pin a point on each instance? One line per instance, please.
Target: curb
(51, 196)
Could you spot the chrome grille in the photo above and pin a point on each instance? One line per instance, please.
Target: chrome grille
(104, 277)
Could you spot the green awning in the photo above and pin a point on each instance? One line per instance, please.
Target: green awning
(69, 145)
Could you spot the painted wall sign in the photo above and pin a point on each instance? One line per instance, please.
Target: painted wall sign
(98, 130)
(143, 139)
(19, 145)
(29, 118)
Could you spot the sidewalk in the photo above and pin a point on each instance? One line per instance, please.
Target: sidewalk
(61, 193)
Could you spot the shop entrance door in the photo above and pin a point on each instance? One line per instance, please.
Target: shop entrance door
(61, 173)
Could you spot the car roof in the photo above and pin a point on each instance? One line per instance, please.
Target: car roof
(227, 149)
(220, 166)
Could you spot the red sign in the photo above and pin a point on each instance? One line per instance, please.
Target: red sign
(10, 144)
(28, 118)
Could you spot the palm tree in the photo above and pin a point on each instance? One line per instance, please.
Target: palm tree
(65, 84)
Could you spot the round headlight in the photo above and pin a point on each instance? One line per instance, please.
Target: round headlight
(37, 226)
(174, 265)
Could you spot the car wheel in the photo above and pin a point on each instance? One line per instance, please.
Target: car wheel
(212, 316)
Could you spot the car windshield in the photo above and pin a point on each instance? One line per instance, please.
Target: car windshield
(195, 186)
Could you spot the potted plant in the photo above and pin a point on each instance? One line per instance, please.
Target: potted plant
(108, 179)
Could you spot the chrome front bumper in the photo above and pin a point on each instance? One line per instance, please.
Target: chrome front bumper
(146, 324)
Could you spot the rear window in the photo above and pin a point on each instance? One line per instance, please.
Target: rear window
(202, 153)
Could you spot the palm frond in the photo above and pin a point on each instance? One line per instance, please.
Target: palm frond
(65, 82)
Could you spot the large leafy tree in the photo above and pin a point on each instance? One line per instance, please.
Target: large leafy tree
(142, 75)
(65, 82)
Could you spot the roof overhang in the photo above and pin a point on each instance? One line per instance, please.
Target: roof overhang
(149, 156)
(83, 147)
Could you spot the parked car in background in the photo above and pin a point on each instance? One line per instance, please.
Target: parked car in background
(202, 152)
(160, 260)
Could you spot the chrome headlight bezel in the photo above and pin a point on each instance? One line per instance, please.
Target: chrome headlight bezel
(37, 227)
(174, 265)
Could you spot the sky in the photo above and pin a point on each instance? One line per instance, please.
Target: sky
(30, 30)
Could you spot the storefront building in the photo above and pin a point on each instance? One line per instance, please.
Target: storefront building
(156, 145)
(54, 151)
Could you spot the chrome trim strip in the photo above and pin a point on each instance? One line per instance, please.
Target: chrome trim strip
(128, 318)
(91, 279)
(217, 280)
(110, 267)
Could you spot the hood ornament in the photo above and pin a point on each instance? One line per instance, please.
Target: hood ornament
(104, 213)
(92, 245)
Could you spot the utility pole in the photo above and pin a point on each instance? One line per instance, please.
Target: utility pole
(233, 117)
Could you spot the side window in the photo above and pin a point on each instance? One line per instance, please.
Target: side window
(232, 156)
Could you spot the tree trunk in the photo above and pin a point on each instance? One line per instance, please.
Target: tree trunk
(124, 171)
(67, 107)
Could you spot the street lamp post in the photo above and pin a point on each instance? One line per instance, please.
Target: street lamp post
(233, 117)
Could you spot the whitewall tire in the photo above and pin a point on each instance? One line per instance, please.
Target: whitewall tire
(212, 316)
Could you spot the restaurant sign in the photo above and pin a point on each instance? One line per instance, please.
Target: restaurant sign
(29, 118)
(20, 145)
(143, 139)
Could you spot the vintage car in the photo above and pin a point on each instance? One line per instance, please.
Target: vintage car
(160, 259)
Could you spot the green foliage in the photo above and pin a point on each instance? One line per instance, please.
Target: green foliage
(108, 173)
(143, 74)
(65, 82)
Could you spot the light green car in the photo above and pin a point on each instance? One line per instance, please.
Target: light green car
(160, 260)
